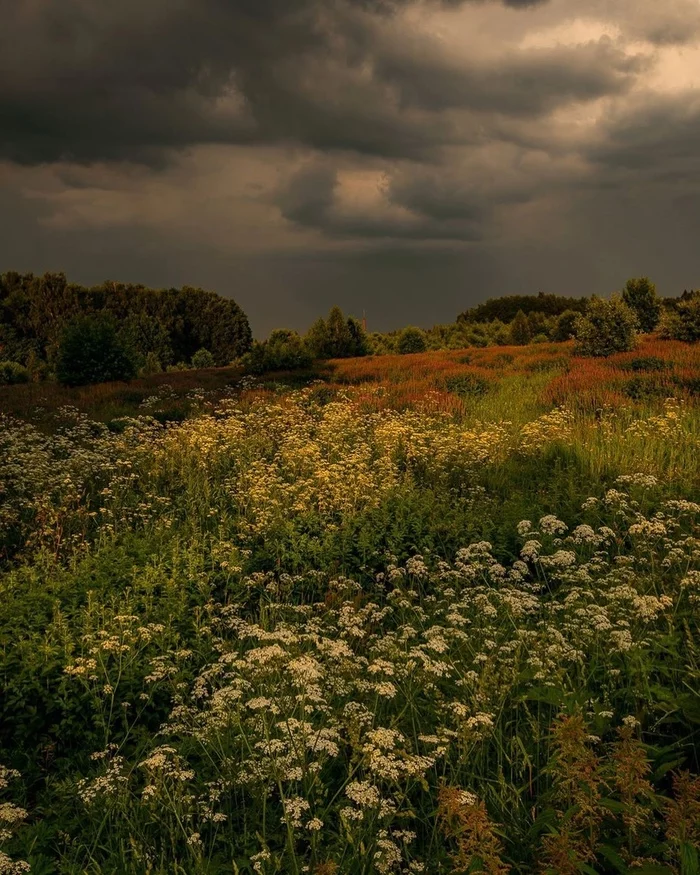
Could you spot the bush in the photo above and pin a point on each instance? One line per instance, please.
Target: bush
(284, 350)
(467, 385)
(683, 323)
(203, 359)
(151, 365)
(647, 363)
(412, 340)
(13, 372)
(564, 326)
(640, 296)
(520, 333)
(91, 351)
(606, 327)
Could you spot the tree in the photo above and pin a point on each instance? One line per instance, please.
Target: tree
(606, 327)
(411, 340)
(203, 359)
(317, 339)
(336, 337)
(284, 350)
(520, 333)
(91, 350)
(564, 326)
(640, 295)
(683, 322)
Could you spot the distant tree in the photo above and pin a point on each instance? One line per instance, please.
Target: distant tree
(147, 335)
(640, 295)
(284, 350)
(173, 323)
(339, 337)
(203, 359)
(683, 321)
(499, 333)
(336, 337)
(91, 350)
(507, 307)
(538, 323)
(520, 333)
(564, 326)
(317, 338)
(358, 338)
(411, 340)
(606, 327)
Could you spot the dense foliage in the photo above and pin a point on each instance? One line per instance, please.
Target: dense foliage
(683, 321)
(505, 309)
(411, 340)
(91, 350)
(606, 327)
(373, 626)
(640, 296)
(169, 324)
(283, 350)
(335, 337)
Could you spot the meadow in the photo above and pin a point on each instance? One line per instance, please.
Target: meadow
(427, 613)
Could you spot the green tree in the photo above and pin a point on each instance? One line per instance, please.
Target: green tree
(520, 333)
(564, 327)
(683, 321)
(317, 339)
(203, 359)
(640, 296)
(91, 350)
(606, 327)
(412, 340)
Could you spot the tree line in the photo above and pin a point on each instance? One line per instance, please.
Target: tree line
(49, 327)
(135, 327)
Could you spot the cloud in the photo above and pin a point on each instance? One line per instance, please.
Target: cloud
(267, 147)
(134, 81)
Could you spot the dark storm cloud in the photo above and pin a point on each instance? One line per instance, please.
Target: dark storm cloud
(657, 136)
(527, 84)
(131, 80)
(310, 199)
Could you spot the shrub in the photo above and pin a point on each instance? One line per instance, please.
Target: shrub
(647, 363)
(565, 326)
(91, 351)
(284, 350)
(467, 385)
(203, 359)
(520, 333)
(412, 340)
(640, 296)
(606, 327)
(151, 365)
(13, 372)
(683, 323)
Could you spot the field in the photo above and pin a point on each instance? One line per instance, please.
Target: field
(435, 613)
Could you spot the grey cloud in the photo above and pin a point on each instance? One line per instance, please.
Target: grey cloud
(132, 80)
(658, 137)
(529, 83)
(309, 199)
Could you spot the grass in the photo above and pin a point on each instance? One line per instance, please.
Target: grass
(433, 613)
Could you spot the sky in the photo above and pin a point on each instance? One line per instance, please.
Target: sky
(402, 158)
